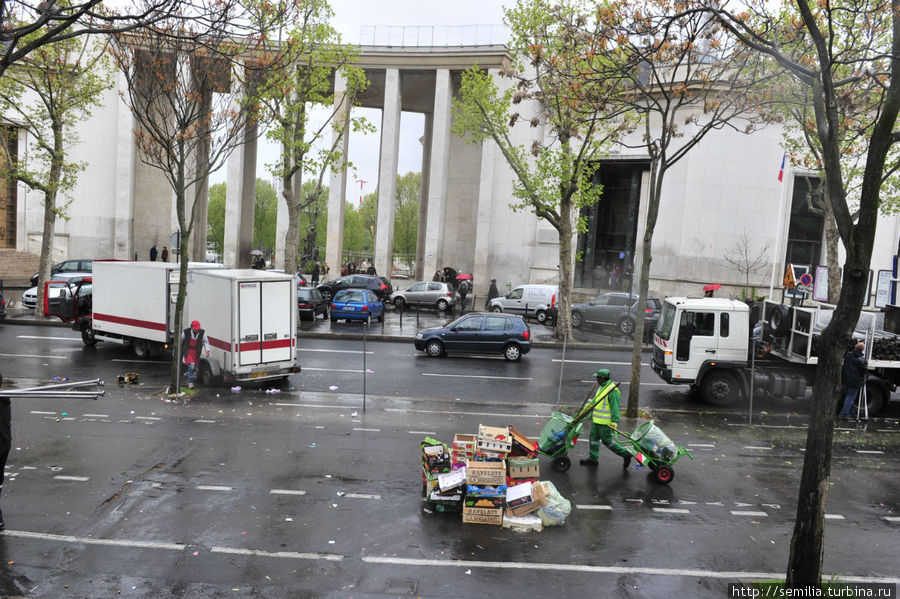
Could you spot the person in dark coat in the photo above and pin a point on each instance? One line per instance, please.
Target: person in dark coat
(463, 290)
(437, 276)
(492, 293)
(153, 253)
(5, 442)
(164, 255)
(854, 376)
(194, 341)
(371, 270)
(315, 274)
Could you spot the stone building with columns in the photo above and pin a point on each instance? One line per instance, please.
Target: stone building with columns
(725, 191)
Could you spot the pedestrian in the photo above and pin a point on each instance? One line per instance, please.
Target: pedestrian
(463, 292)
(5, 442)
(854, 376)
(492, 293)
(327, 270)
(193, 340)
(371, 270)
(153, 253)
(315, 274)
(164, 255)
(437, 276)
(605, 421)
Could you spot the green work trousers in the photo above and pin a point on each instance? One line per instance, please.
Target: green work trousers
(601, 433)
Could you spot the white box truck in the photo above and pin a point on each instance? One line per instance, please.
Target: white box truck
(250, 317)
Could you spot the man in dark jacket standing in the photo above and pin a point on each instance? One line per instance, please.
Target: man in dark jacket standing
(854, 376)
(193, 341)
(492, 293)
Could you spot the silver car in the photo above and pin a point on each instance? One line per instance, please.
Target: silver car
(427, 294)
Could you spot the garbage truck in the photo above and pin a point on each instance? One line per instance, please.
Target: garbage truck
(723, 348)
(250, 316)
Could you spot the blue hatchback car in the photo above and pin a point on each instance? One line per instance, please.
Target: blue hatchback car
(356, 304)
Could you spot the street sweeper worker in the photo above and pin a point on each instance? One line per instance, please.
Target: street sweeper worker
(605, 420)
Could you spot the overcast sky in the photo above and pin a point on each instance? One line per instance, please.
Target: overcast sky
(374, 21)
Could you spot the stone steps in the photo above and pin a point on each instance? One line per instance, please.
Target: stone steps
(16, 268)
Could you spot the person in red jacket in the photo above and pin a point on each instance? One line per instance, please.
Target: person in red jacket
(193, 341)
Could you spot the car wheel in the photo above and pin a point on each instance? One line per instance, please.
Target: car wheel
(719, 388)
(434, 349)
(87, 336)
(141, 348)
(496, 309)
(512, 352)
(399, 303)
(326, 293)
(577, 319)
(626, 327)
(442, 305)
(541, 316)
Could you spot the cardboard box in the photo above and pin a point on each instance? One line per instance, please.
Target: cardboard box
(539, 494)
(435, 458)
(485, 473)
(527, 523)
(524, 468)
(494, 439)
(519, 495)
(522, 445)
(477, 515)
(486, 497)
(452, 480)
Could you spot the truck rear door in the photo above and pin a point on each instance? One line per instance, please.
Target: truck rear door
(264, 321)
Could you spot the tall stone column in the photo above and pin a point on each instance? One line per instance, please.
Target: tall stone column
(421, 273)
(200, 194)
(438, 171)
(240, 195)
(337, 190)
(125, 167)
(387, 173)
(484, 210)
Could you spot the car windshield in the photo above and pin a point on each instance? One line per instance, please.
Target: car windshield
(350, 296)
(664, 328)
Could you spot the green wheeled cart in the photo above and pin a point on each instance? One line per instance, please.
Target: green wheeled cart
(652, 448)
(559, 436)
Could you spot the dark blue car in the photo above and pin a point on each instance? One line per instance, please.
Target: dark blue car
(356, 304)
(478, 333)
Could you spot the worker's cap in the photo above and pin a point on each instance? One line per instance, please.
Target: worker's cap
(602, 374)
(195, 325)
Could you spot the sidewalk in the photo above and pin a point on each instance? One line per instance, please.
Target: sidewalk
(396, 327)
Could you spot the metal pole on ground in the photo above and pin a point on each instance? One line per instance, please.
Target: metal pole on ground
(365, 334)
(562, 366)
(754, 349)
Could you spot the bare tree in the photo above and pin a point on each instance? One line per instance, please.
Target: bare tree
(189, 116)
(746, 261)
(839, 53)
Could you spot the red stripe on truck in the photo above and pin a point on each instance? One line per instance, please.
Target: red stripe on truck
(131, 322)
(220, 344)
(255, 345)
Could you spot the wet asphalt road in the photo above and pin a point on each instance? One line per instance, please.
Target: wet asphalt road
(303, 493)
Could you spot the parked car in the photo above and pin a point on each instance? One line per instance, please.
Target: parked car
(429, 294)
(357, 304)
(66, 266)
(478, 333)
(58, 291)
(536, 300)
(616, 310)
(380, 285)
(310, 303)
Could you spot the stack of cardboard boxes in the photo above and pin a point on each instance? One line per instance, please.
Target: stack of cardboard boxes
(489, 477)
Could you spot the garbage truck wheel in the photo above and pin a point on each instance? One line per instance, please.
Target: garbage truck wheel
(665, 474)
(87, 336)
(562, 463)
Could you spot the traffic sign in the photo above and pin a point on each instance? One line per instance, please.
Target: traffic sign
(806, 279)
(789, 280)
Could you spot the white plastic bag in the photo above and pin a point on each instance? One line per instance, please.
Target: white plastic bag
(557, 508)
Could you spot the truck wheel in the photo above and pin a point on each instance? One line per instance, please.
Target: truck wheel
(87, 336)
(206, 377)
(561, 464)
(719, 388)
(780, 320)
(141, 348)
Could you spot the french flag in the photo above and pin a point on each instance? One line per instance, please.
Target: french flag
(781, 171)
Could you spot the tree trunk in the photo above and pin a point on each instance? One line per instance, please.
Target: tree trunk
(563, 322)
(634, 389)
(49, 232)
(292, 234)
(832, 238)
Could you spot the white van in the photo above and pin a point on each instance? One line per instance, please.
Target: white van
(528, 300)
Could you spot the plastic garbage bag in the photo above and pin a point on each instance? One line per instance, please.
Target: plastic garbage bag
(557, 508)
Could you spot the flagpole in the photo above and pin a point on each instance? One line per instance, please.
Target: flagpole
(780, 225)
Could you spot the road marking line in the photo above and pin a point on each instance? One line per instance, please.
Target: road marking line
(286, 492)
(320, 426)
(745, 513)
(205, 421)
(95, 415)
(136, 361)
(284, 554)
(147, 418)
(307, 368)
(596, 362)
(834, 517)
(309, 405)
(481, 376)
(213, 488)
(91, 541)
(701, 445)
(887, 430)
(335, 351)
(740, 504)
(421, 432)
(635, 500)
(870, 451)
(362, 496)
(718, 503)
(756, 447)
(892, 518)
(774, 506)
(503, 414)
(25, 467)
(34, 356)
(593, 507)
(367, 430)
(51, 338)
(671, 510)
(788, 426)
(42, 413)
(624, 383)
(79, 479)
